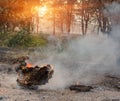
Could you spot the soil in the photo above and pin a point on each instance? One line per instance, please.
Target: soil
(106, 90)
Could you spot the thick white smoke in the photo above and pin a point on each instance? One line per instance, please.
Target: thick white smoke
(86, 59)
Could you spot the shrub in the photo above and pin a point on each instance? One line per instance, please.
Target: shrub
(23, 39)
(5, 37)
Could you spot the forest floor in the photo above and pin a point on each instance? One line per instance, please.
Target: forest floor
(107, 90)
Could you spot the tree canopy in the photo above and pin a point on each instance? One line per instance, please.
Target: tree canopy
(20, 12)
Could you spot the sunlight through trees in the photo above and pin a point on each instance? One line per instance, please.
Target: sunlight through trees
(62, 14)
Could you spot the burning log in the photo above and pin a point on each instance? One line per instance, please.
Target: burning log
(36, 76)
(30, 76)
(80, 88)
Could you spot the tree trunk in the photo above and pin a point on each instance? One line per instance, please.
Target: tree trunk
(54, 21)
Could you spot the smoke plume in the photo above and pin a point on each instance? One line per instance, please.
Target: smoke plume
(85, 59)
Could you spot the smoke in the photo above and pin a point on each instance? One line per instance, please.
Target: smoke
(86, 59)
(7, 78)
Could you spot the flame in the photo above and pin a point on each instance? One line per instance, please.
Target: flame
(29, 65)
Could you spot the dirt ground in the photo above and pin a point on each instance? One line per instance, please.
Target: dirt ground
(11, 91)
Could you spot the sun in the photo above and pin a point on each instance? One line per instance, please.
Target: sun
(42, 11)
